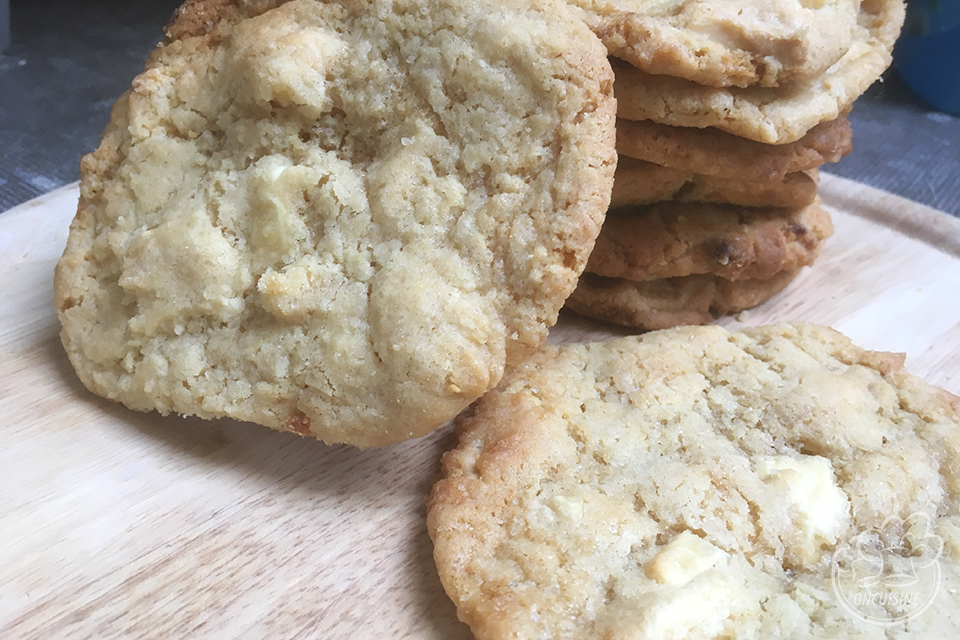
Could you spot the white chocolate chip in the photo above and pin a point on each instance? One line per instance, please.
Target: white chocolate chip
(682, 559)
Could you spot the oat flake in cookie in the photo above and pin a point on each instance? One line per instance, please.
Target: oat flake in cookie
(342, 219)
(696, 483)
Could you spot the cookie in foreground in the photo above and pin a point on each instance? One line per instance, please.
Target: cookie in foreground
(697, 483)
(342, 219)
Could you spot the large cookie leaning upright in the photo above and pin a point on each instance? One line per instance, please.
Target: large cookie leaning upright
(343, 219)
(697, 483)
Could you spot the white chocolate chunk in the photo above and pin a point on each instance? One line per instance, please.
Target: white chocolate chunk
(682, 559)
(567, 508)
(816, 504)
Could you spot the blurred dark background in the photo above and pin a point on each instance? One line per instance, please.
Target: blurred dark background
(68, 60)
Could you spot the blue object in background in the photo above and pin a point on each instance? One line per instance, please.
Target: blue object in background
(927, 55)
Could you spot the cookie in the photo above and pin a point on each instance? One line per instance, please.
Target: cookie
(675, 239)
(671, 302)
(697, 483)
(771, 115)
(726, 43)
(638, 182)
(340, 219)
(712, 152)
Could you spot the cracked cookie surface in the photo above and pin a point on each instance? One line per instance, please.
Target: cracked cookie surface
(694, 483)
(343, 219)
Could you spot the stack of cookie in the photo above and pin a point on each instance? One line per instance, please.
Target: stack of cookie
(726, 111)
(703, 221)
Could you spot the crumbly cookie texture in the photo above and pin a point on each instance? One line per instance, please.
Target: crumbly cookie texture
(712, 152)
(674, 239)
(722, 43)
(342, 219)
(671, 302)
(638, 182)
(772, 115)
(694, 483)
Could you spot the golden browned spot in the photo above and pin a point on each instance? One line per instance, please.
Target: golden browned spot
(299, 423)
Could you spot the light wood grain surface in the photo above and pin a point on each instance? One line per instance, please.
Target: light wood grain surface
(117, 524)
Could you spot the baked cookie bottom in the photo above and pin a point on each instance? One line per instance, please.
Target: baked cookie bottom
(712, 152)
(638, 182)
(671, 302)
(674, 239)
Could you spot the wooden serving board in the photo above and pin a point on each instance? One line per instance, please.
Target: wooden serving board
(117, 524)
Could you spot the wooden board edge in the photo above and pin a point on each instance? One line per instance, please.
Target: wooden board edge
(28, 208)
(918, 221)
